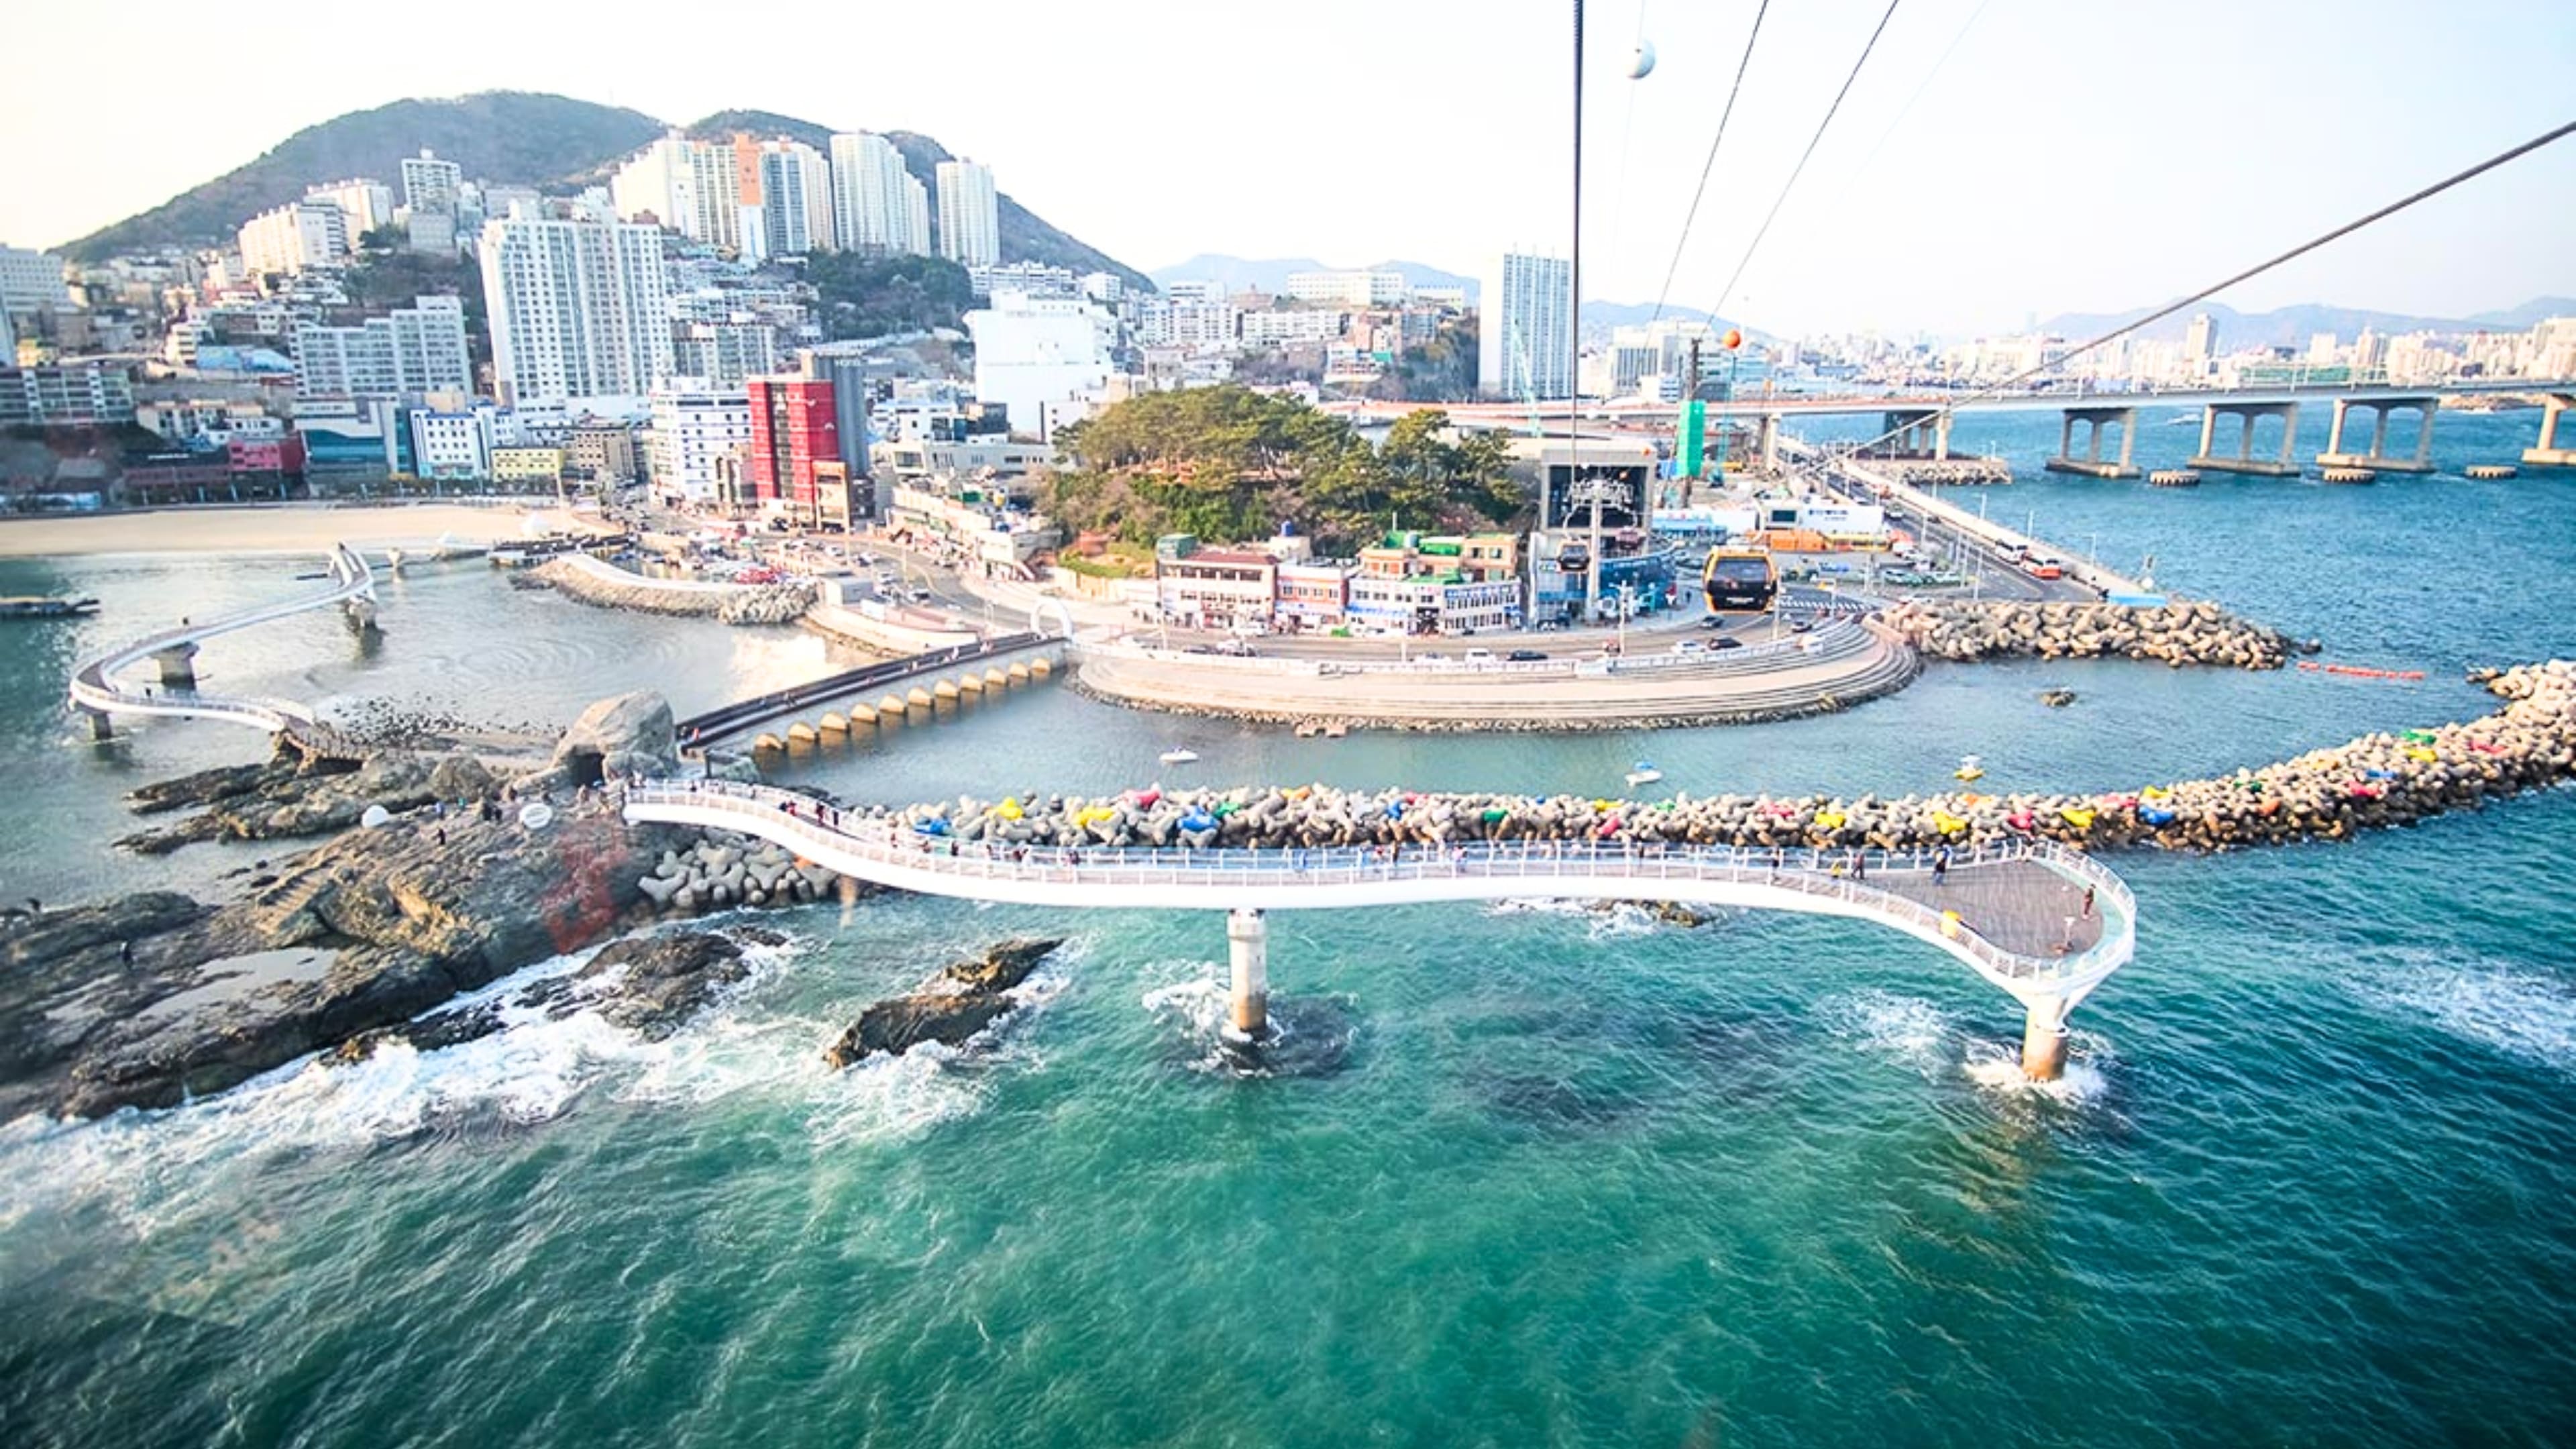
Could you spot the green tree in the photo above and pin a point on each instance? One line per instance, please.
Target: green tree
(863, 296)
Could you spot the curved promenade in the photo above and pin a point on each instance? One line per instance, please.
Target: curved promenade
(95, 692)
(1840, 664)
(2015, 913)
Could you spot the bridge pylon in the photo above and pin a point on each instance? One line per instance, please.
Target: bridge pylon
(1247, 938)
(2043, 1038)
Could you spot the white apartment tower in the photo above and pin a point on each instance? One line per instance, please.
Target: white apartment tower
(367, 204)
(31, 281)
(796, 199)
(878, 207)
(1525, 337)
(578, 308)
(970, 226)
(433, 190)
(308, 233)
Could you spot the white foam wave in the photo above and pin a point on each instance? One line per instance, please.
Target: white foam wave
(1996, 1067)
(148, 1164)
(1908, 1028)
(2520, 1012)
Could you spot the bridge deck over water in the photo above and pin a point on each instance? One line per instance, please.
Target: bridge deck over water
(2042, 922)
(94, 688)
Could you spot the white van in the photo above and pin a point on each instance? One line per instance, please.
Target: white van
(1480, 656)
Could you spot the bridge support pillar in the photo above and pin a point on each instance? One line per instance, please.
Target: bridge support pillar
(100, 727)
(1247, 937)
(178, 666)
(1767, 442)
(2091, 465)
(2243, 460)
(360, 615)
(2378, 459)
(2549, 454)
(2043, 1039)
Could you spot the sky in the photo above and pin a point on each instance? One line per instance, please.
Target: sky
(1996, 161)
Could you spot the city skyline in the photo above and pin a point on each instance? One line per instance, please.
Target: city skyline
(2042, 199)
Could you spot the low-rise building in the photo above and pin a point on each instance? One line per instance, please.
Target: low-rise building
(977, 524)
(451, 446)
(694, 428)
(601, 456)
(528, 470)
(1313, 595)
(1217, 589)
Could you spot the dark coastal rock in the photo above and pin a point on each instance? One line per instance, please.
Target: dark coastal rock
(1002, 967)
(649, 985)
(400, 919)
(224, 782)
(960, 1000)
(289, 804)
(905, 1022)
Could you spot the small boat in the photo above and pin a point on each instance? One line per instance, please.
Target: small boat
(1644, 774)
(1970, 768)
(1179, 757)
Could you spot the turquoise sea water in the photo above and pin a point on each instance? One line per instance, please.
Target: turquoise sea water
(1568, 1178)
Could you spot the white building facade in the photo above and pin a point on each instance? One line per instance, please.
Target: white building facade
(878, 206)
(970, 226)
(796, 199)
(290, 238)
(32, 281)
(578, 309)
(1348, 289)
(414, 351)
(1035, 356)
(697, 431)
(1525, 334)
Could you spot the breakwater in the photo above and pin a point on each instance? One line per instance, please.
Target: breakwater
(2176, 633)
(592, 582)
(2371, 782)
(713, 875)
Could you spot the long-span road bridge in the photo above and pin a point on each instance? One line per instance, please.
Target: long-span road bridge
(2041, 922)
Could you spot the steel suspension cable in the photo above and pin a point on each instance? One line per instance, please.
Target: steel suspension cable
(1803, 158)
(1682, 242)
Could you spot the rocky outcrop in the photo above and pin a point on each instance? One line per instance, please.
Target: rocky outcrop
(623, 735)
(952, 1006)
(651, 985)
(2373, 781)
(2177, 633)
(388, 922)
(614, 589)
(276, 802)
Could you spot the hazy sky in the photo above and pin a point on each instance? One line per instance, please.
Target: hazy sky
(2070, 155)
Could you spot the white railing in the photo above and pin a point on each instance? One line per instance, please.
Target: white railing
(1823, 873)
(1834, 639)
(94, 687)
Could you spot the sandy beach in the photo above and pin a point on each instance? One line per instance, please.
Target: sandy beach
(288, 528)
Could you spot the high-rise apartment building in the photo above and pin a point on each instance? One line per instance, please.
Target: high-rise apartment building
(31, 281)
(878, 207)
(578, 308)
(2199, 346)
(366, 204)
(433, 192)
(1525, 335)
(795, 199)
(412, 352)
(308, 233)
(970, 226)
(429, 184)
(699, 435)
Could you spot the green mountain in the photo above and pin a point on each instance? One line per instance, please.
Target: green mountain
(520, 139)
(506, 136)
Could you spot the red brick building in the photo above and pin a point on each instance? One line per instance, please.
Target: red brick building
(794, 426)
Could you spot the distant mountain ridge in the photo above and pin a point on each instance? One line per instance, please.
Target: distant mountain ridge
(1270, 274)
(518, 138)
(2293, 326)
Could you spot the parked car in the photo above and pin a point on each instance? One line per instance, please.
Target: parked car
(1480, 656)
(1726, 642)
(1690, 646)
(1525, 656)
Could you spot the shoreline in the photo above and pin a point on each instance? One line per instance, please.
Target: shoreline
(271, 528)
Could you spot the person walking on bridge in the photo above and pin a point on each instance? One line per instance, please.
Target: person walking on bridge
(1941, 866)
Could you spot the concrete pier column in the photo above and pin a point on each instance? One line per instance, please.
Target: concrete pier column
(1247, 937)
(2334, 429)
(2208, 428)
(1941, 435)
(2245, 437)
(2379, 432)
(2548, 453)
(178, 666)
(2066, 437)
(99, 726)
(2128, 440)
(2043, 1039)
(2424, 438)
(2289, 434)
(1767, 442)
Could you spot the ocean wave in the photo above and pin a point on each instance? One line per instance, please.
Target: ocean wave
(2525, 1014)
(1996, 1067)
(1907, 1028)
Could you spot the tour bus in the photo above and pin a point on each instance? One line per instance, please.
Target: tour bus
(1739, 580)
